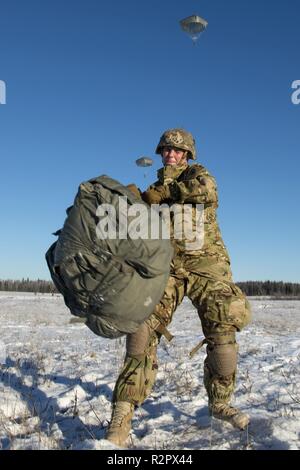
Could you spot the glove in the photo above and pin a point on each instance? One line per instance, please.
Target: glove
(135, 190)
(157, 195)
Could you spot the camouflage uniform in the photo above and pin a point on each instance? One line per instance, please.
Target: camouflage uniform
(205, 277)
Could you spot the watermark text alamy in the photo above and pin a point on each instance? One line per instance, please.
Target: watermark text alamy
(296, 94)
(179, 221)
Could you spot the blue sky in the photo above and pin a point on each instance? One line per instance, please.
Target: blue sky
(92, 84)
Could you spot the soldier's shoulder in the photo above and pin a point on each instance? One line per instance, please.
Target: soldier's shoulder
(196, 170)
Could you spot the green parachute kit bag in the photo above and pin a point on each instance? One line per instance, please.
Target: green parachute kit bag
(114, 282)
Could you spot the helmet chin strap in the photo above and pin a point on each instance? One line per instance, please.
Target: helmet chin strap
(184, 159)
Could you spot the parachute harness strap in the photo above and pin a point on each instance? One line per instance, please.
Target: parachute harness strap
(198, 346)
(226, 339)
(158, 325)
(164, 331)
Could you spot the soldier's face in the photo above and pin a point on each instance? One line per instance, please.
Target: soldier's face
(173, 156)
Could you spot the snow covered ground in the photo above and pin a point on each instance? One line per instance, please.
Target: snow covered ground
(57, 377)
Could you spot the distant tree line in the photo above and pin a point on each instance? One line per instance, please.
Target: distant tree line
(270, 288)
(267, 288)
(28, 285)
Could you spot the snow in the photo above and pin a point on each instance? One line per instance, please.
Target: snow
(57, 379)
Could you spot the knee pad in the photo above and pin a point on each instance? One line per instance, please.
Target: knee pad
(137, 343)
(222, 357)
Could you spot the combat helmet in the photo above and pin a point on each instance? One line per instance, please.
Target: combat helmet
(178, 138)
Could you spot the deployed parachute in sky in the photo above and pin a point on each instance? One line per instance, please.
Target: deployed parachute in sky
(144, 161)
(194, 26)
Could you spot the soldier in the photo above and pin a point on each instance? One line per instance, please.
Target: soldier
(204, 275)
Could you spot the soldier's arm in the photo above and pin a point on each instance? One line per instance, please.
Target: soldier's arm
(198, 189)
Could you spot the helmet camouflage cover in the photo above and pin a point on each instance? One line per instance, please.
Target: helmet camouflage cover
(178, 138)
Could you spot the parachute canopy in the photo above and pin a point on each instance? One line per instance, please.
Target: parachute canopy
(144, 161)
(193, 25)
(109, 271)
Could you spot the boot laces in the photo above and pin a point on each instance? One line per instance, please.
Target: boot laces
(225, 410)
(120, 413)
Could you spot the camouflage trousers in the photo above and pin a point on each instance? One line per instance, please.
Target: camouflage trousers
(223, 310)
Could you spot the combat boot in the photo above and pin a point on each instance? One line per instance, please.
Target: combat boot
(228, 413)
(120, 425)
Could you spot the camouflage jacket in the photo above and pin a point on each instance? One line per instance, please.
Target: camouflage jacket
(192, 185)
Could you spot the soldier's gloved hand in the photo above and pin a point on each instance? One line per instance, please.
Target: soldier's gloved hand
(157, 195)
(134, 189)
